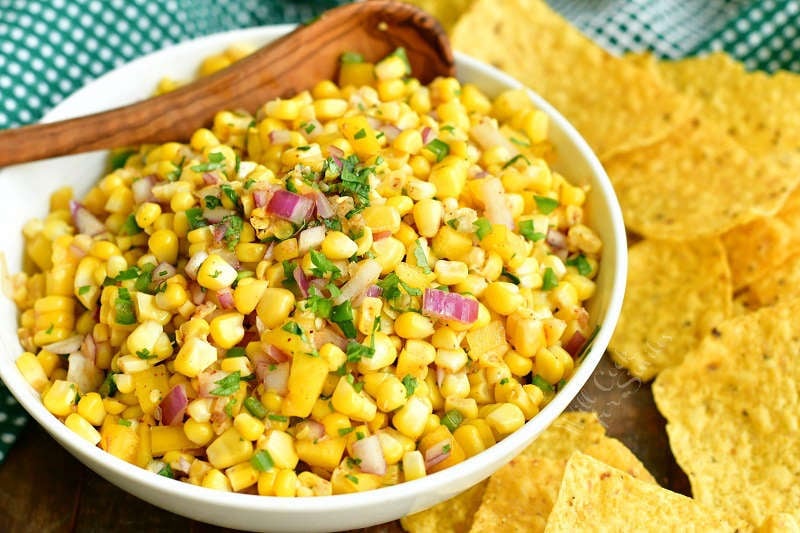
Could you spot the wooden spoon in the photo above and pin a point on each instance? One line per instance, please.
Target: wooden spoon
(283, 68)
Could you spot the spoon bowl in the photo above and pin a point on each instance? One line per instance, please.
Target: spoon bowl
(295, 62)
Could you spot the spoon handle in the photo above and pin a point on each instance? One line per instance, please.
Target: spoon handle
(283, 68)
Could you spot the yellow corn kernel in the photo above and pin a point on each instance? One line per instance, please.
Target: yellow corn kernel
(519, 365)
(228, 449)
(332, 355)
(428, 216)
(227, 329)
(413, 465)
(59, 399)
(502, 297)
(286, 250)
(505, 419)
(337, 245)
(415, 358)
(247, 294)
(200, 433)
(91, 408)
(168, 438)
(113, 407)
(199, 409)
(455, 385)
(323, 453)
(120, 201)
(449, 179)
(31, 369)
(451, 244)
(124, 382)
(163, 244)
(306, 379)
(242, 475)
(275, 306)
(215, 273)
(388, 253)
(450, 272)
(248, 426)
(329, 108)
(526, 334)
(412, 418)
(352, 403)
(83, 428)
(215, 479)
(285, 484)
(410, 325)
(281, 448)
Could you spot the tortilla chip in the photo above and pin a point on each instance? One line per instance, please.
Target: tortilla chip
(779, 523)
(614, 104)
(451, 516)
(520, 496)
(757, 109)
(699, 183)
(733, 414)
(782, 284)
(755, 248)
(676, 293)
(594, 495)
(446, 11)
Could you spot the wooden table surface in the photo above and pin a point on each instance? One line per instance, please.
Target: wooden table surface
(44, 489)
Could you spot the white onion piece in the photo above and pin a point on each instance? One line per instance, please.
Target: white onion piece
(487, 136)
(302, 281)
(217, 214)
(370, 453)
(310, 238)
(89, 347)
(162, 272)
(210, 178)
(276, 355)
(173, 406)
(450, 306)
(196, 293)
(84, 221)
(245, 168)
(143, 190)
(436, 453)
(225, 298)
(207, 381)
(83, 373)
(280, 136)
(63, 347)
(366, 274)
(277, 379)
(390, 130)
(260, 197)
(324, 207)
(494, 201)
(310, 430)
(328, 335)
(193, 265)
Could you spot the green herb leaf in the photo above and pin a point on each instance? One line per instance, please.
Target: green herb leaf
(410, 383)
(355, 351)
(233, 230)
(345, 431)
(422, 259)
(227, 385)
(236, 351)
(83, 289)
(333, 224)
(194, 215)
(144, 353)
(216, 161)
(293, 328)
(130, 227)
(439, 148)
(119, 158)
(511, 277)
(323, 265)
(318, 304)
(527, 231)
(549, 279)
(412, 291)
(515, 159)
(353, 479)
(482, 228)
(360, 134)
(581, 263)
(212, 202)
(545, 204)
(342, 316)
(166, 471)
(228, 191)
(540, 382)
(123, 308)
(452, 419)
(124, 422)
(255, 407)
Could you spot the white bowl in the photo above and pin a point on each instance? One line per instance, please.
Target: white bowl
(27, 191)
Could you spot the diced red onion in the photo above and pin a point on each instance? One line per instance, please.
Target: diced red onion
(328, 335)
(427, 135)
(173, 406)
(83, 372)
(260, 197)
(89, 348)
(217, 214)
(391, 131)
(76, 251)
(290, 206)
(436, 453)
(276, 355)
(324, 207)
(280, 136)
(575, 343)
(373, 291)
(181, 465)
(441, 373)
(84, 221)
(63, 347)
(194, 262)
(310, 238)
(277, 379)
(219, 231)
(370, 454)
(450, 306)
(143, 189)
(229, 257)
(197, 293)
(162, 272)
(302, 281)
(366, 274)
(556, 239)
(209, 178)
(494, 201)
(225, 298)
(373, 122)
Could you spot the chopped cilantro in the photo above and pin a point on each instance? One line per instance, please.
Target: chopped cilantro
(519, 142)
(123, 307)
(216, 161)
(540, 382)
(83, 289)
(545, 204)
(333, 224)
(448, 128)
(351, 57)
(352, 478)
(410, 383)
(166, 471)
(323, 265)
(549, 279)
(511, 277)
(175, 174)
(527, 231)
(389, 286)
(255, 407)
(278, 418)
(482, 228)
(422, 259)
(452, 419)
(308, 127)
(580, 262)
(212, 202)
(345, 431)
(130, 227)
(144, 353)
(124, 422)
(412, 291)
(128, 273)
(446, 448)
(227, 385)
(236, 351)
(439, 148)
(233, 230)
(194, 215)
(293, 328)
(50, 329)
(515, 159)
(360, 134)
(503, 381)
(317, 304)
(119, 158)
(355, 351)
(228, 191)
(342, 316)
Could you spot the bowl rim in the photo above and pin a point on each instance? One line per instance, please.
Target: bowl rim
(95, 458)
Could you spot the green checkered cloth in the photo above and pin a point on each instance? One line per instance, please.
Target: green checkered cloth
(50, 48)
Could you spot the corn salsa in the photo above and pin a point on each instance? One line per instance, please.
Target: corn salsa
(357, 286)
